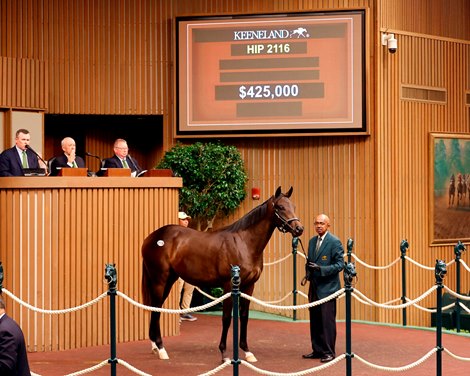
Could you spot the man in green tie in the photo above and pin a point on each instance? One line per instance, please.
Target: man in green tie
(13, 161)
(68, 159)
(122, 159)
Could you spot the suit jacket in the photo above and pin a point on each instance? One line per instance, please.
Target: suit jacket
(13, 356)
(330, 258)
(61, 161)
(115, 162)
(10, 162)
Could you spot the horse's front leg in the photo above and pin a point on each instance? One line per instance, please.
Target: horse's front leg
(226, 320)
(244, 313)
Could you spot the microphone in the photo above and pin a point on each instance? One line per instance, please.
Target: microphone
(138, 171)
(132, 162)
(97, 157)
(93, 155)
(37, 155)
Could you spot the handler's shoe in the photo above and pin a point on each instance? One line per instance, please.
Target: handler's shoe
(187, 317)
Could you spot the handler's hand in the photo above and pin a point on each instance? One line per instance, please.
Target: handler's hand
(313, 266)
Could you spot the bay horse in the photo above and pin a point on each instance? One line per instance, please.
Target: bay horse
(451, 191)
(205, 259)
(460, 189)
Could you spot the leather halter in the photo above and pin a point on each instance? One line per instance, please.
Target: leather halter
(285, 223)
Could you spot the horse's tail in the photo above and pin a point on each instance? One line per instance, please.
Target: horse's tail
(146, 285)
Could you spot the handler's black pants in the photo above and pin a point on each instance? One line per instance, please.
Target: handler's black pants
(322, 324)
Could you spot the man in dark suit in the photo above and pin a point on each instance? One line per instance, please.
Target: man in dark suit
(13, 356)
(325, 262)
(122, 159)
(67, 160)
(15, 159)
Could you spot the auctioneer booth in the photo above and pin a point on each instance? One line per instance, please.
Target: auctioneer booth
(57, 234)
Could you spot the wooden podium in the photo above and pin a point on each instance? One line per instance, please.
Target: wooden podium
(121, 172)
(56, 236)
(159, 173)
(72, 172)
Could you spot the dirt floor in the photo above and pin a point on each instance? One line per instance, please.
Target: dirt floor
(278, 345)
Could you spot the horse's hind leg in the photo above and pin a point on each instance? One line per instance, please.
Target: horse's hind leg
(159, 297)
(156, 336)
(244, 312)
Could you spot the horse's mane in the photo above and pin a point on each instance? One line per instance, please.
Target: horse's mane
(250, 218)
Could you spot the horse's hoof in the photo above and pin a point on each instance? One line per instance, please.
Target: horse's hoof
(250, 357)
(162, 354)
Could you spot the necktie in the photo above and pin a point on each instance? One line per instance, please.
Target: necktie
(24, 159)
(74, 164)
(124, 164)
(318, 245)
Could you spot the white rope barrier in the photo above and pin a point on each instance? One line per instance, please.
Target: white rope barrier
(156, 309)
(54, 311)
(91, 369)
(278, 261)
(302, 294)
(280, 300)
(225, 364)
(397, 369)
(461, 297)
(398, 306)
(418, 264)
(300, 373)
(465, 265)
(465, 308)
(431, 310)
(302, 306)
(457, 357)
(271, 304)
(374, 267)
(132, 368)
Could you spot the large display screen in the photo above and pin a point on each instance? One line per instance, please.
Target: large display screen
(272, 74)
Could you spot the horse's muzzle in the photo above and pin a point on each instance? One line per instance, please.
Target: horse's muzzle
(298, 230)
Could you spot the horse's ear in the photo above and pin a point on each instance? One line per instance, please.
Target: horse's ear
(289, 192)
(278, 192)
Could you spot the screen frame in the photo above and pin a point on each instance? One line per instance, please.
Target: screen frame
(361, 128)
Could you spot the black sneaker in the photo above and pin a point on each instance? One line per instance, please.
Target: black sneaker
(187, 317)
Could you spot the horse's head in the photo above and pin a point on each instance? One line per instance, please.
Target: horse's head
(440, 270)
(284, 209)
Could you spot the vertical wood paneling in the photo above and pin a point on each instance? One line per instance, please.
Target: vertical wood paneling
(434, 17)
(23, 83)
(116, 57)
(403, 162)
(54, 246)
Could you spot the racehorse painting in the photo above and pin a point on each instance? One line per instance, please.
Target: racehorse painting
(204, 259)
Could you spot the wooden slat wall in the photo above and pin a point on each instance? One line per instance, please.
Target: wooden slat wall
(23, 83)
(442, 18)
(54, 244)
(403, 162)
(116, 58)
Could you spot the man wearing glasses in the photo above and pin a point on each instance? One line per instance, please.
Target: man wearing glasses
(122, 159)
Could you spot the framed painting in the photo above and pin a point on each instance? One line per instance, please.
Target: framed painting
(450, 188)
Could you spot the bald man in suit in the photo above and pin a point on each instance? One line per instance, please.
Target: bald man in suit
(13, 356)
(325, 262)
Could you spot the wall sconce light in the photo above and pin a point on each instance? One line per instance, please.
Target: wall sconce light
(255, 193)
(389, 41)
